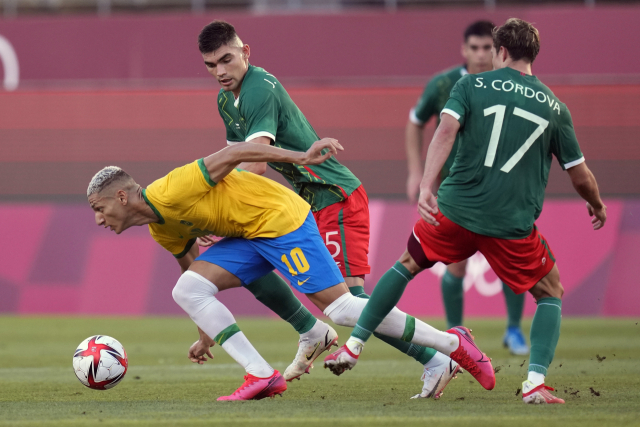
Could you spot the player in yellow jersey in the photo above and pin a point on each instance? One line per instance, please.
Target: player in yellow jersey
(265, 226)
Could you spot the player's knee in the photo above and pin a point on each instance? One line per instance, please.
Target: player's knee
(458, 269)
(346, 310)
(557, 290)
(180, 293)
(192, 290)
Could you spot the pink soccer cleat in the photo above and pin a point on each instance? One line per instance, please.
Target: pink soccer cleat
(471, 359)
(538, 395)
(341, 360)
(255, 388)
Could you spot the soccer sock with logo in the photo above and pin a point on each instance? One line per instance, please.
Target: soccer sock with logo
(515, 305)
(545, 332)
(421, 354)
(381, 315)
(196, 295)
(272, 291)
(453, 298)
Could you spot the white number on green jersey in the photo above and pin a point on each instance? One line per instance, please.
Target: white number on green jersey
(499, 111)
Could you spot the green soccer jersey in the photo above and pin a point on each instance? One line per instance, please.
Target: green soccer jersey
(432, 101)
(264, 108)
(511, 124)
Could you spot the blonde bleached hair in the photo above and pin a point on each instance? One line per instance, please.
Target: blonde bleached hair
(106, 177)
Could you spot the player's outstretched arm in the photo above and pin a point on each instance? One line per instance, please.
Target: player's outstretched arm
(437, 155)
(586, 186)
(220, 164)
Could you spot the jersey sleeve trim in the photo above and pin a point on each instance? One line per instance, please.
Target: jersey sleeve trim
(153, 208)
(205, 172)
(259, 134)
(451, 113)
(414, 119)
(232, 142)
(186, 249)
(574, 163)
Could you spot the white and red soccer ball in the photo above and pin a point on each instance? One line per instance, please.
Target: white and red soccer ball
(100, 362)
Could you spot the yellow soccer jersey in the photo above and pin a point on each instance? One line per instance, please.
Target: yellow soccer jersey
(189, 205)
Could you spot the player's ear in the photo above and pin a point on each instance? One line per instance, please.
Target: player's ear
(246, 51)
(122, 197)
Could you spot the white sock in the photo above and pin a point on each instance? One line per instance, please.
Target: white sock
(196, 295)
(346, 310)
(428, 336)
(239, 347)
(355, 345)
(437, 360)
(536, 378)
(318, 328)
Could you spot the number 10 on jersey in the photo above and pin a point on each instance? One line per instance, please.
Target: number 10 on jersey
(299, 260)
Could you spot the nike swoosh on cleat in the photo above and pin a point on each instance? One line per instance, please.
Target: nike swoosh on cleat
(326, 339)
(313, 352)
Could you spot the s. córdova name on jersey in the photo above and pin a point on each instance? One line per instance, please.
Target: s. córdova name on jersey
(508, 86)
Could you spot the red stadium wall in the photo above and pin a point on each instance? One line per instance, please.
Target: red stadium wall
(68, 136)
(54, 259)
(342, 48)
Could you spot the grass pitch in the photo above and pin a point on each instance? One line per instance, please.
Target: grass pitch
(596, 370)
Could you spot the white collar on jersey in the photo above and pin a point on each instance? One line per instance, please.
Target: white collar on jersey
(463, 71)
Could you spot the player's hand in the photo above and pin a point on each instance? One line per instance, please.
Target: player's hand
(314, 155)
(599, 216)
(413, 185)
(206, 241)
(199, 350)
(428, 207)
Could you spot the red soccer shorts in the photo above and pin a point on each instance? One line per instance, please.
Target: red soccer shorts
(344, 227)
(519, 263)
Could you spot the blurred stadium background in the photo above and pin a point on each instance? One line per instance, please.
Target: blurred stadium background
(89, 83)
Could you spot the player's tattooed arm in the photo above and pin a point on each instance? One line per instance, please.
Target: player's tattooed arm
(220, 164)
(437, 155)
(586, 186)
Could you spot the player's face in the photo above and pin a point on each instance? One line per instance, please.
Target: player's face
(109, 212)
(228, 65)
(477, 53)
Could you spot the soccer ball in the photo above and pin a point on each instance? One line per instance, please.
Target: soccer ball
(100, 362)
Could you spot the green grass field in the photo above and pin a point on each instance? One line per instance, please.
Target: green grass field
(38, 387)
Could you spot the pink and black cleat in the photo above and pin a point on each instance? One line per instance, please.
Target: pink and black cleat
(472, 359)
(255, 388)
(341, 360)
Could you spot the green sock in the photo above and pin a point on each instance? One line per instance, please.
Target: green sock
(274, 292)
(545, 332)
(452, 296)
(421, 354)
(515, 305)
(384, 297)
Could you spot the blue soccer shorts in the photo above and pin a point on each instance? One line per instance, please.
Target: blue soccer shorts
(301, 256)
